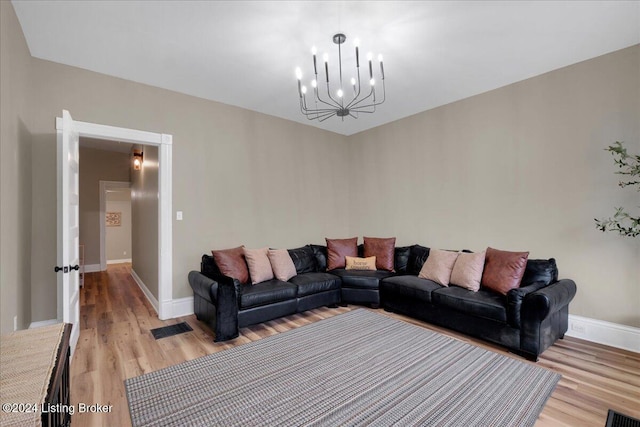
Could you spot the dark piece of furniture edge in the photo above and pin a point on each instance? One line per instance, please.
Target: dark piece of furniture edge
(59, 385)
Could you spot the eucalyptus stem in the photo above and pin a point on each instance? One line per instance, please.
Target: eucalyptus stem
(628, 165)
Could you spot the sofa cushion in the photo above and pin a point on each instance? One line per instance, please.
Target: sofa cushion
(540, 270)
(281, 264)
(265, 293)
(417, 257)
(410, 286)
(320, 252)
(232, 264)
(361, 279)
(355, 263)
(438, 266)
(259, 264)
(313, 283)
(303, 259)
(382, 249)
(467, 271)
(401, 259)
(483, 303)
(503, 270)
(338, 249)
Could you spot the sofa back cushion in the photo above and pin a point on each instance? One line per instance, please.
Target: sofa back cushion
(338, 249)
(208, 266)
(417, 257)
(401, 259)
(540, 270)
(231, 263)
(303, 259)
(320, 252)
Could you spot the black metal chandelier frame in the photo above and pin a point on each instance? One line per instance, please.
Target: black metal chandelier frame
(323, 107)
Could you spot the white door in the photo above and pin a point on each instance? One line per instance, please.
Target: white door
(68, 226)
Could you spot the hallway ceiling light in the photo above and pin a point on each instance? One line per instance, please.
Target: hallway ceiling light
(340, 100)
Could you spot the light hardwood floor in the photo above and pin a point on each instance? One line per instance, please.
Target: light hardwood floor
(116, 343)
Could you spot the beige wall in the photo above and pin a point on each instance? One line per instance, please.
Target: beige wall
(95, 166)
(117, 243)
(15, 174)
(144, 210)
(240, 177)
(518, 168)
(521, 167)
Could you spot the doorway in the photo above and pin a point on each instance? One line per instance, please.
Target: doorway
(163, 142)
(115, 237)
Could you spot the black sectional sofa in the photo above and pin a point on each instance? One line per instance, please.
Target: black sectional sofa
(527, 320)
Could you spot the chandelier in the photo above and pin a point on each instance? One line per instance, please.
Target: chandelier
(339, 100)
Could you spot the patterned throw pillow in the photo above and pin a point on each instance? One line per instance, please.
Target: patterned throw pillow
(354, 263)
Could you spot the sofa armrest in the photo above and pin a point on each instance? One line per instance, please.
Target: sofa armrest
(514, 302)
(204, 286)
(540, 304)
(223, 293)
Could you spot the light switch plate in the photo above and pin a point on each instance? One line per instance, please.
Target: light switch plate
(179, 216)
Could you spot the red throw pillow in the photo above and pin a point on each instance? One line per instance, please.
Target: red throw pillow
(503, 270)
(382, 249)
(231, 263)
(338, 249)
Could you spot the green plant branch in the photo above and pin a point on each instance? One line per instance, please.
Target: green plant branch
(622, 222)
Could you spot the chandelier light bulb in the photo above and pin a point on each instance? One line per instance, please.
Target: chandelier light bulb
(372, 82)
(380, 58)
(325, 57)
(353, 81)
(298, 73)
(314, 50)
(340, 93)
(304, 89)
(356, 42)
(314, 83)
(369, 56)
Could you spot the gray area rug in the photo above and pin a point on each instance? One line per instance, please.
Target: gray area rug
(357, 368)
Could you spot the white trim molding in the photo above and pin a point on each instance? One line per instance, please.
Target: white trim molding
(145, 290)
(118, 261)
(42, 323)
(602, 332)
(165, 223)
(182, 307)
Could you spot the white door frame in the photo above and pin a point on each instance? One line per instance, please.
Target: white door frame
(104, 186)
(165, 243)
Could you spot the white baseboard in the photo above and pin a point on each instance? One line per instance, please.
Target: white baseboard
(92, 268)
(602, 332)
(42, 323)
(145, 290)
(182, 307)
(118, 261)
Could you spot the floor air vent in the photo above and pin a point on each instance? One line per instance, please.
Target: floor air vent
(172, 330)
(616, 419)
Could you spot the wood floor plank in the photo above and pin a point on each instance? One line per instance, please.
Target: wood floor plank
(116, 343)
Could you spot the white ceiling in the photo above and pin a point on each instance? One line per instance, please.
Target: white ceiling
(245, 53)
